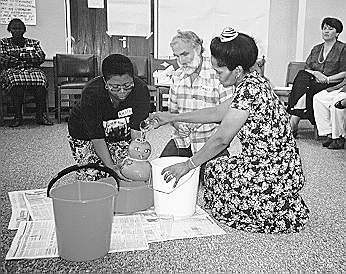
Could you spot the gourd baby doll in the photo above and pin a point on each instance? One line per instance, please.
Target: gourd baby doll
(136, 166)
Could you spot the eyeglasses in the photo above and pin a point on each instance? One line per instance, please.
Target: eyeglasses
(118, 88)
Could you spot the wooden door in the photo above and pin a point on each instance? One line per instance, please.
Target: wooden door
(89, 31)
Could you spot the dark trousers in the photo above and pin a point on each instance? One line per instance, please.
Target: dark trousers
(17, 94)
(305, 83)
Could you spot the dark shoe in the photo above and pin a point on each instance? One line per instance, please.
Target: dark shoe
(337, 144)
(327, 142)
(16, 122)
(42, 120)
(295, 132)
(294, 121)
(339, 105)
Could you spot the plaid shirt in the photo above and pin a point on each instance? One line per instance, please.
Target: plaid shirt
(23, 71)
(205, 91)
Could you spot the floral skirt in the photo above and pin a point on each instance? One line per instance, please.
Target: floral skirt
(83, 152)
(244, 200)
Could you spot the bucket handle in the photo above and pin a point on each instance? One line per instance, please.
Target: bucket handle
(78, 167)
(151, 184)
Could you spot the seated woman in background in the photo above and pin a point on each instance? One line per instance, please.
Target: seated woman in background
(325, 67)
(331, 120)
(107, 118)
(256, 190)
(20, 69)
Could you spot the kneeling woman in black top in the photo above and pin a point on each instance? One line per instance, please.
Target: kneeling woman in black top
(103, 124)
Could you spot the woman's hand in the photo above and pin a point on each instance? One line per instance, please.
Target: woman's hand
(116, 168)
(176, 171)
(15, 54)
(320, 77)
(185, 129)
(161, 118)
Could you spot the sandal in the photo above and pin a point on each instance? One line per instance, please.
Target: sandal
(339, 105)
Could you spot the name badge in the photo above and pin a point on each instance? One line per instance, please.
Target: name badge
(125, 112)
(207, 89)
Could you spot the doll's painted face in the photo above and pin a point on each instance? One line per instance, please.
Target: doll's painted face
(139, 149)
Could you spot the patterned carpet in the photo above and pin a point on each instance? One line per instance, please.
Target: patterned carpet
(31, 155)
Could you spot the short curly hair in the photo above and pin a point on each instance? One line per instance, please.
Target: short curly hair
(15, 20)
(117, 64)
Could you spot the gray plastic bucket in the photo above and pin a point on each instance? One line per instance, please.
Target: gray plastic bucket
(83, 213)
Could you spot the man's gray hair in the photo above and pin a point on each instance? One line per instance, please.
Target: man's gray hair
(189, 36)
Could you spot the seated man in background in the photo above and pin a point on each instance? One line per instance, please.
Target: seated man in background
(331, 119)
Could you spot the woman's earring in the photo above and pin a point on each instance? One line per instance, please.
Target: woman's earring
(237, 78)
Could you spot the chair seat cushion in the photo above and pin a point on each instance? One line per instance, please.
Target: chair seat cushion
(72, 85)
(282, 91)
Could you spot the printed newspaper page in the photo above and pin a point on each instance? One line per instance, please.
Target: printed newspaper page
(30, 205)
(19, 210)
(37, 239)
(198, 225)
(128, 234)
(182, 229)
(40, 206)
(34, 239)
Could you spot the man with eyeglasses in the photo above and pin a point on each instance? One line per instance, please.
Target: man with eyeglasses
(107, 118)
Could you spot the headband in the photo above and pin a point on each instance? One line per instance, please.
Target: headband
(228, 34)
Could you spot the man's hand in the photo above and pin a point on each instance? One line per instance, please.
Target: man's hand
(183, 129)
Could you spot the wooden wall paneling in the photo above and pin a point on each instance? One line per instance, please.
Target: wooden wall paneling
(89, 29)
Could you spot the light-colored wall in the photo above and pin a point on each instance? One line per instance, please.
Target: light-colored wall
(284, 27)
(282, 39)
(49, 29)
(315, 12)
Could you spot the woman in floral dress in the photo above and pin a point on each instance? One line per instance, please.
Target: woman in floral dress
(257, 189)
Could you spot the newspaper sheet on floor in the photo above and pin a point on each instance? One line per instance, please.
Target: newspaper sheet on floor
(198, 225)
(37, 239)
(20, 211)
(30, 205)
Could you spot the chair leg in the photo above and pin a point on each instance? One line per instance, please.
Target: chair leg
(47, 105)
(1, 109)
(316, 133)
(158, 99)
(59, 105)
